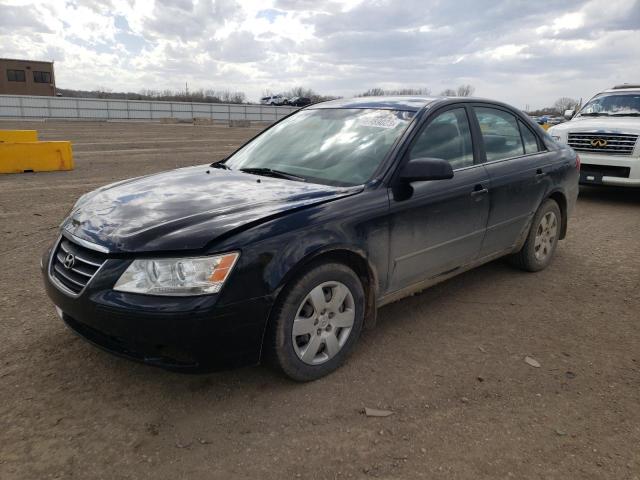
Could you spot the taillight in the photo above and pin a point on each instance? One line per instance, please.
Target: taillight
(577, 162)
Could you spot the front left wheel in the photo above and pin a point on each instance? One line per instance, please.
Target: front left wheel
(317, 321)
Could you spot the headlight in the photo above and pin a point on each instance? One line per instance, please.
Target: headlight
(177, 276)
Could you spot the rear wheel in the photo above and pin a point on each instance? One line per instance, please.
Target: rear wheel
(317, 321)
(542, 240)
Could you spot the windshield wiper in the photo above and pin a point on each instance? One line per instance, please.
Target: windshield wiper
(629, 114)
(270, 172)
(594, 114)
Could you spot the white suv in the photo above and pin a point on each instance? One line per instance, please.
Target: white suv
(274, 100)
(605, 133)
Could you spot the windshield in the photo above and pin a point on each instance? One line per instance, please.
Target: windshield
(618, 104)
(331, 146)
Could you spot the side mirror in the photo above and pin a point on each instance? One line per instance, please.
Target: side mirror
(422, 169)
(568, 114)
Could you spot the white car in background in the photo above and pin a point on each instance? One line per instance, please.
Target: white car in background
(274, 100)
(605, 134)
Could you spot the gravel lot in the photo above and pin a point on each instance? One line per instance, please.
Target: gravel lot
(449, 362)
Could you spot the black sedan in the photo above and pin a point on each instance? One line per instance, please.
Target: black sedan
(285, 250)
(299, 101)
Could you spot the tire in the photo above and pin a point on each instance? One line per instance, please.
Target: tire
(542, 240)
(323, 335)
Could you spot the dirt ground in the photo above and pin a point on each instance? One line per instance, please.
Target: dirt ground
(449, 362)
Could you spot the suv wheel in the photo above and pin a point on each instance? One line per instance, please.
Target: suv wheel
(317, 321)
(542, 240)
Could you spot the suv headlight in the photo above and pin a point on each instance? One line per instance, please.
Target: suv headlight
(177, 276)
(555, 135)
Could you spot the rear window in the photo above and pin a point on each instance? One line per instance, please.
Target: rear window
(529, 139)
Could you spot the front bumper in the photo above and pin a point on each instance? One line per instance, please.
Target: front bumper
(611, 170)
(179, 333)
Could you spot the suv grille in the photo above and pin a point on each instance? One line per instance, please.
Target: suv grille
(74, 275)
(606, 143)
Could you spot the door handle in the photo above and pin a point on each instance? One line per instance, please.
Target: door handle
(540, 174)
(479, 190)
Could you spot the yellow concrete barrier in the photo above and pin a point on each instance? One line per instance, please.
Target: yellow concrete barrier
(13, 136)
(35, 157)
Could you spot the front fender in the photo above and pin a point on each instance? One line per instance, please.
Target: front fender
(272, 253)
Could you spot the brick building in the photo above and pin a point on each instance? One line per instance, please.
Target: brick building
(26, 77)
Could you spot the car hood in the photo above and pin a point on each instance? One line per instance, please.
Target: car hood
(600, 124)
(185, 209)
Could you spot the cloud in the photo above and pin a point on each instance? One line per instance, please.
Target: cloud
(15, 18)
(241, 47)
(187, 20)
(519, 52)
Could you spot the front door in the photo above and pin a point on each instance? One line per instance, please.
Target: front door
(438, 226)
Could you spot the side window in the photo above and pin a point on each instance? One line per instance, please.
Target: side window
(41, 77)
(448, 137)
(500, 133)
(529, 139)
(15, 75)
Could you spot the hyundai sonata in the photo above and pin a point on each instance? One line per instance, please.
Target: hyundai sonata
(285, 249)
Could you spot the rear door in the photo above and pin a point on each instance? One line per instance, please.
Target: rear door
(518, 168)
(438, 226)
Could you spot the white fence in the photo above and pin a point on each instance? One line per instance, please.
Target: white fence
(32, 107)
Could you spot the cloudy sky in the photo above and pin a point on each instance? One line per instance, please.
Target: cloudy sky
(523, 52)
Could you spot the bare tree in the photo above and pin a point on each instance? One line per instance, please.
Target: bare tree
(378, 92)
(410, 91)
(372, 92)
(305, 92)
(465, 90)
(564, 103)
(449, 92)
(103, 92)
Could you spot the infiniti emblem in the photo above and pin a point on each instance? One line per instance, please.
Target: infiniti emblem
(599, 143)
(69, 261)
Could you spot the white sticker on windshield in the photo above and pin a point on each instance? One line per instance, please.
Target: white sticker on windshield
(380, 120)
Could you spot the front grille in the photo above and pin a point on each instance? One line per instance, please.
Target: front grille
(85, 264)
(606, 170)
(616, 143)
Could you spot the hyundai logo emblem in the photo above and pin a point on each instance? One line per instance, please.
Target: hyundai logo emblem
(69, 261)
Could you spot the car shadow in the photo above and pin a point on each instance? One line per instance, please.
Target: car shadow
(613, 194)
(430, 301)
(249, 383)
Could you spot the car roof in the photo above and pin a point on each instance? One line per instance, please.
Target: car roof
(630, 89)
(412, 103)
